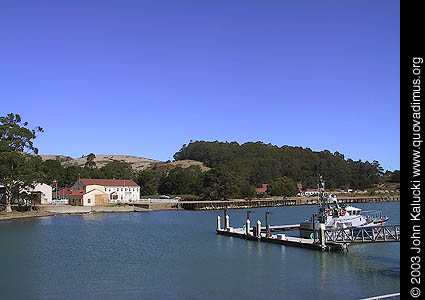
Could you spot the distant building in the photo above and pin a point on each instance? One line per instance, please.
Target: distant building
(311, 192)
(43, 193)
(300, 187)
(63, 193)
(91, 192)
(262, 189)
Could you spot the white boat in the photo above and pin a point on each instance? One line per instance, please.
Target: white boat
(339, 216)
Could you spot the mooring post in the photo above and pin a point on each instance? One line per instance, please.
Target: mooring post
(218, 223)
(322, 235)
(248, 227)
(227, 222)
(225, 219)
(258, 229)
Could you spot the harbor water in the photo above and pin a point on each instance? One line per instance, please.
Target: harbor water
(178, 255)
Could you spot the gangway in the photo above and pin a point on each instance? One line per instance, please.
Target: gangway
(388, 233)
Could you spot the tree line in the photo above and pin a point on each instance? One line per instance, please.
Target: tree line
(235, 169)
(259, 163)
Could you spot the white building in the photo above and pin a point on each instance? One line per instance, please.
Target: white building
(311, 192)
(44, 192)
(90, 192)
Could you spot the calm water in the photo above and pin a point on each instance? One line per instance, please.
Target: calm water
(177, 255)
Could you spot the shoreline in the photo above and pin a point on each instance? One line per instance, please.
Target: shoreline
(56, 210)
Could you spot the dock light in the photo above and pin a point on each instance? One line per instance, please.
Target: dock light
(248, 213)
(267, 223)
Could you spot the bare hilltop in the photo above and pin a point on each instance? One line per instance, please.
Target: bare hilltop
(138, 163)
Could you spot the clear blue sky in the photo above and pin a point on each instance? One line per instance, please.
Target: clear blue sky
(145, 77)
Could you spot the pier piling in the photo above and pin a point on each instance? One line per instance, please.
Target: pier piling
(258, 233)
(322, 235)
(227, 222)
(248, 227)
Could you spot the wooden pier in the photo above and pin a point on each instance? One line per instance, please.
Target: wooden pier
(293, 201)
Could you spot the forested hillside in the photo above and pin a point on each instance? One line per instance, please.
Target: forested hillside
(261, 163)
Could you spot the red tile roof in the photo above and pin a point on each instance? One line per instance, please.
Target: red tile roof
(109, 182)
(300, 187)
(64, 191)
(262, 189)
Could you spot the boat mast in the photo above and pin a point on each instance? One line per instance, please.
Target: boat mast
(322, 204)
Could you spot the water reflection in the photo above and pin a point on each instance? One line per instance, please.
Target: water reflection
(94, 216)
(178, 255)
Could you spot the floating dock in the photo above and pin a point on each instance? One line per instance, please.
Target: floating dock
(323, 240)
(282, 239)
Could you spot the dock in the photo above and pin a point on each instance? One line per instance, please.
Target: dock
(282, 239)
(322, 239)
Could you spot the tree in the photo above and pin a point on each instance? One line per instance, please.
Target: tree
(90, 163)
(282, 186)
(219, 183)
(148, 182)
(259, 162)
(116, 169)
(395, 177)
(19, 170)
(181, 181)
(54, 171)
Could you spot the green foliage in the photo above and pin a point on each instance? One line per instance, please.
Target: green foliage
(90, 163)
(395, 177)
(19, 171)
(117, 170)
(282, 186)
(260, 163)
(181, 181)
(148, 182)
(15, 136)
(220, 183)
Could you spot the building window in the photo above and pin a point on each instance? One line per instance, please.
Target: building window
(88, 201)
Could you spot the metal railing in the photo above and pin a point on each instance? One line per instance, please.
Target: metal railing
(389, 233)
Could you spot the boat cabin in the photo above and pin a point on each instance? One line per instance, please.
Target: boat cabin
(353, 211)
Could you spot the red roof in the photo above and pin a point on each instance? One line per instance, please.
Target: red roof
(262, 189)
(64, 191)
(77, 193)
(109, 182)
(300, 187)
